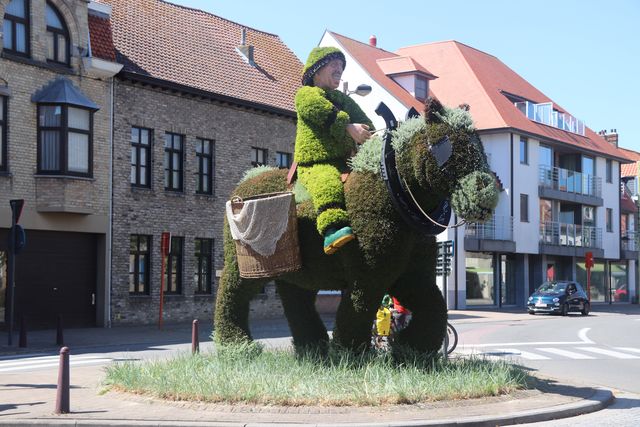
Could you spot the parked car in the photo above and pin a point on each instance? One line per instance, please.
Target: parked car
(561, 296)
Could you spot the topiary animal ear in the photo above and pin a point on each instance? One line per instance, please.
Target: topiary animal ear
(433, 110)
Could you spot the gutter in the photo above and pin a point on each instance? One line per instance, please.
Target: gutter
(225, 99)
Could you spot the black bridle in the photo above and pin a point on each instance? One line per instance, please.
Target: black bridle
(430, 224)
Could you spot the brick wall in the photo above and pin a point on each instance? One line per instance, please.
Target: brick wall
(185, 214)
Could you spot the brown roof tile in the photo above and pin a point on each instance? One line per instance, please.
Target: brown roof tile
(101, 38)
(197, 49)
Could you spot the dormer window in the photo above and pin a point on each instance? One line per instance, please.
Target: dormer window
(57, 36)
(545, 113)
(422, 88)
(16, 27)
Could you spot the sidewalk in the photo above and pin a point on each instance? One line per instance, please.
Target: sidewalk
(29, 398)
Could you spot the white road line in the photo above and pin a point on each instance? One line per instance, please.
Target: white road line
(611, 353)
(566, 353)
(582, 334)
(46, 359)
(631, 349)
(532, 343)
(51, 365)
(520, 353)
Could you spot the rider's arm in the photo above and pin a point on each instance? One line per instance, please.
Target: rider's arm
(320, 113)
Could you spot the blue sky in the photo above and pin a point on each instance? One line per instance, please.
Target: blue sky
(584, 55)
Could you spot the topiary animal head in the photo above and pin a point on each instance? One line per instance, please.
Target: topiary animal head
(442, 154)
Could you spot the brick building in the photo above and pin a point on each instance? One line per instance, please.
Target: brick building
(55, 148)
(159, 149)
(194, 109)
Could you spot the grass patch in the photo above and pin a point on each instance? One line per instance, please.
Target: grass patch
(246, 374)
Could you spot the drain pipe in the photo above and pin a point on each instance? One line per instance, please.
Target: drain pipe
(108, 279)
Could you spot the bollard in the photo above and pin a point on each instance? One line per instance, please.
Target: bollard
(195, 338)
(22, 343)
(59, 333)
(62, 397)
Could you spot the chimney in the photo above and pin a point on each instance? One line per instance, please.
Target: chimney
(246, 51)
(611, 137)
(373, 41)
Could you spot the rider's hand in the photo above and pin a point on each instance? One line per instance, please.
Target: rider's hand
(358, 132)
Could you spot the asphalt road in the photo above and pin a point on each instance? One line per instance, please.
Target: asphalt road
(600, 349)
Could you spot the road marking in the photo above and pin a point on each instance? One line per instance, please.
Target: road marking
(582, 334)
(532, 343)
(520, 353)
(631, 349)
(48, 362)
(566, 353)
(611, 353)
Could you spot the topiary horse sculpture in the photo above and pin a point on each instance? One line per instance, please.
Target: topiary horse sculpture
(389, 256)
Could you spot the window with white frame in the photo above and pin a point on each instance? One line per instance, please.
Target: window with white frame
(65, 136)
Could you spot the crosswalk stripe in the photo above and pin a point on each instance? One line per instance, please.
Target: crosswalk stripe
(611, 353)
(631, 349)
(520, 353)
(566, 353)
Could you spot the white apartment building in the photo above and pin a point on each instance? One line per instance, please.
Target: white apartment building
(560, 181)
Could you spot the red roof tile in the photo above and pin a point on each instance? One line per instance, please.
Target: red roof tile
(467, 75)
(368, 56)
(402, 65)
(197, 49)
(633, 168)
(101, 38)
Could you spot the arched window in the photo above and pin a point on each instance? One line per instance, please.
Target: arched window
(57, 36)
(16, 27)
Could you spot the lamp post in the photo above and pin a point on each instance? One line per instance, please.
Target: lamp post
(362, 89)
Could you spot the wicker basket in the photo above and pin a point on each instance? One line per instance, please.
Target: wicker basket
(286, 257)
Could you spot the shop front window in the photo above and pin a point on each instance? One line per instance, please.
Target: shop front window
(480, 279)
(619, 282)
(3, 283)
(598, 288)
(507, 280)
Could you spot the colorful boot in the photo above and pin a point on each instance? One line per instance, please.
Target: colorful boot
(335, 239)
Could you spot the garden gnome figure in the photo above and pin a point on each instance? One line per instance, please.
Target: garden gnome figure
(330, 124)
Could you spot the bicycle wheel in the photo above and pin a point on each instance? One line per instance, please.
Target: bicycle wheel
(452, 338)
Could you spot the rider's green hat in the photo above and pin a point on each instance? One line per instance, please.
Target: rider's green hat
(318, 58)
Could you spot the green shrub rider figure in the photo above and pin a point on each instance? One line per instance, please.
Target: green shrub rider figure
(329, 125)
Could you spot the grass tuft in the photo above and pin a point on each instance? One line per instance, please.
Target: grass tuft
(248, 374)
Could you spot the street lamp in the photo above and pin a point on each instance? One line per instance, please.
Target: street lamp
(362, 89)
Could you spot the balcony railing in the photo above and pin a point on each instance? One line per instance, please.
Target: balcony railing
(544, 113)
(569, 181)
(629, 242)
(561, 234)
(497, 228)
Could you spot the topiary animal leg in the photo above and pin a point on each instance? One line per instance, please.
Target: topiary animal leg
(233, 298)
(306, 326)
(416, 290)
(355, 316)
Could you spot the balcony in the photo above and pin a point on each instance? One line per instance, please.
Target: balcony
(495, 235)
(629, 245)
(557, 238)
(545, 114)
(570, 186)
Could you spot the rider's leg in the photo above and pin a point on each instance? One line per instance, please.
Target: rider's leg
(323, 183)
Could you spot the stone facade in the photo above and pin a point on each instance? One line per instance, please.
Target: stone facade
(151, 211)
(64, 204)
